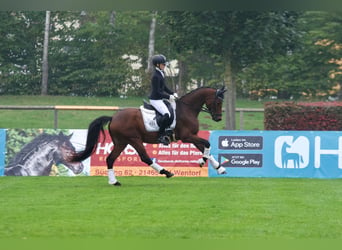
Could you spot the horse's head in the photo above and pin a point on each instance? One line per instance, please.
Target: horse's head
(214, 104)
(65, 151)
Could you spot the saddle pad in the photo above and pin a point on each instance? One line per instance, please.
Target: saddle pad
(150, 121)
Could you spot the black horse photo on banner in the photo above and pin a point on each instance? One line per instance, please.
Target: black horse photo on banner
(38, 156)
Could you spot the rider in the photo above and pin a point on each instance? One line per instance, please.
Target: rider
(159, 92)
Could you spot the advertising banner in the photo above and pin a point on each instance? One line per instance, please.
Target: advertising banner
(308, 154)
(39, 152)
(179, 158)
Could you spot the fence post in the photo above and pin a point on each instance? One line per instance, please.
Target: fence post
(241, 120)
(55, 118)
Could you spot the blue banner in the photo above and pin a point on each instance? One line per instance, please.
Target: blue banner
(2, 150)
(305, 154)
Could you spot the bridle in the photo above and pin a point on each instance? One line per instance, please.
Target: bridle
(210, 109)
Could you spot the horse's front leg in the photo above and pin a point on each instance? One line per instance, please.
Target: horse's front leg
(204, 146)
(139, 147)
(213, 161)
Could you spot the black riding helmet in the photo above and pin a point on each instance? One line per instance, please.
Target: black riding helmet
(158, 59)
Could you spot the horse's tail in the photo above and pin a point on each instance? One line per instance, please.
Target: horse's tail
(94, 130)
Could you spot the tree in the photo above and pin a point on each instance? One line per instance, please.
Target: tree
(20, 51)
(151, 42)
(325, 30)
(86, 54)
(308, 68)
(236, 38)
(45, 66)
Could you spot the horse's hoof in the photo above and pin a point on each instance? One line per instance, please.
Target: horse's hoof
(167, 173)
(118, 184)
(221, 170)
(201, 162)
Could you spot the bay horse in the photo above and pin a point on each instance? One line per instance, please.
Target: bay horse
(127, 127)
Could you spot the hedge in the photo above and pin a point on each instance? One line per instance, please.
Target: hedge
(303, 116)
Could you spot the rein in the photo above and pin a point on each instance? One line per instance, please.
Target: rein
(203, 109)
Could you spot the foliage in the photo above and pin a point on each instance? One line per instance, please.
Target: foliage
(305, 70)
(247, 35)
(85, 60)
(85, 52)
(236, 39)
(303, 116)
(292, 52)
(20, 51)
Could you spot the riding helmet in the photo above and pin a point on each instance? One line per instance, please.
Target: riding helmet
(158, 59)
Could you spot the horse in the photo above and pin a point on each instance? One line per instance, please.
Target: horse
(37, 157)
(287, 156)
(127, 127)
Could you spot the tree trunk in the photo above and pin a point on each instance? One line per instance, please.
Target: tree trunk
(231, 93)
(112, 18)
(181, 86)
(45, 66)
(151, 42)
(339, 93)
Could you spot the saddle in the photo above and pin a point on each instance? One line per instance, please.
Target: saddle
(152, 118)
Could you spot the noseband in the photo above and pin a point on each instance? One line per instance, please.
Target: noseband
(211, 108)
(218, 96)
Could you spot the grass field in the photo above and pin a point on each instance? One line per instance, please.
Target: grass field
(83, 208)
(81, 119)
(176, 208)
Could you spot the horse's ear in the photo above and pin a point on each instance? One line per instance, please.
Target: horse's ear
(220, 92)
(63, 135)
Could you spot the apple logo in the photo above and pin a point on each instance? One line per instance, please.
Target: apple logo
(225, 143)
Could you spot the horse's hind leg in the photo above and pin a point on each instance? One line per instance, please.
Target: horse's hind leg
(139, 147)
(110, 162)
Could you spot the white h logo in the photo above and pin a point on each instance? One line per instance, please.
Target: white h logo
(319, 152)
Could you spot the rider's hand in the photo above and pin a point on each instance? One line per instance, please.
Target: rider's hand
(175, 95)
(172, 98)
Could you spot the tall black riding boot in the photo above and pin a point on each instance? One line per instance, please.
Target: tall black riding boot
(163, 138)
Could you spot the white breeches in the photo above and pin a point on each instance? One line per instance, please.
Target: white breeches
(160, 106)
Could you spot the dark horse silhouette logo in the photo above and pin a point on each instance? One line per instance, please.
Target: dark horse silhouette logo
(37, 157)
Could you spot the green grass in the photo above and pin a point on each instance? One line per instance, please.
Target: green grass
(81, 119)
(176, 208)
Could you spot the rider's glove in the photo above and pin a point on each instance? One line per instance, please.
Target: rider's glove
(172, 98)
(175, 95)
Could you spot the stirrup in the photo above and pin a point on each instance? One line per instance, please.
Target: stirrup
(164, 139)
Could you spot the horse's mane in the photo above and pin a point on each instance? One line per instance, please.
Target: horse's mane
(195, 90)
(40, 141)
